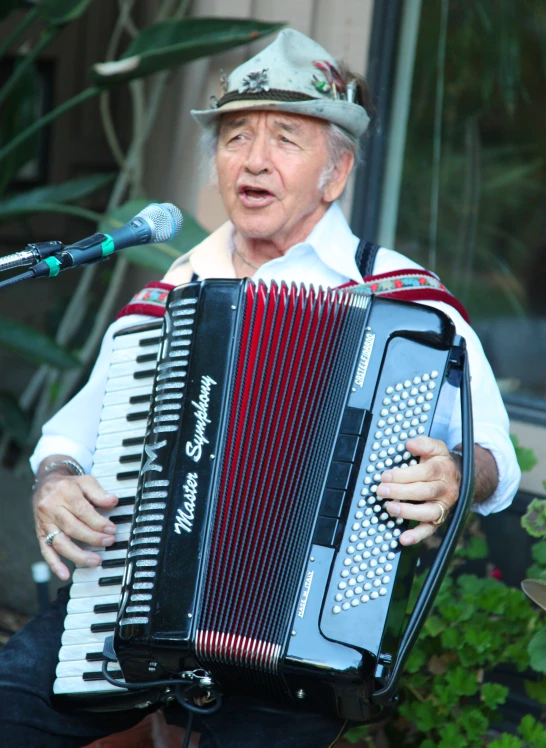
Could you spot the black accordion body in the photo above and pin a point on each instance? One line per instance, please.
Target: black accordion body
(260, 560)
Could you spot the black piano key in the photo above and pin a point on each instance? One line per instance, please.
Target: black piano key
(140, 416)
(136, 399)
(110, 581)
(144, 374)
(149, 341)
(129, 475)
(117, 674)
(121, 519)
(94, 656)
(100, 628)
(126, 501)
(133, 442)
(146, 357)
(130, 458)
(106, 608)
(121, 545)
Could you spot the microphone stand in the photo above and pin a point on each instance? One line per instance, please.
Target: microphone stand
(52, 265)
(33, 254)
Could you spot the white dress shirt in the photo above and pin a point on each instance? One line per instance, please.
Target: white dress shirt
(326, 258)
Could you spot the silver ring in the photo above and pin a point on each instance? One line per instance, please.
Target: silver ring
(442, 516)
(50, 536)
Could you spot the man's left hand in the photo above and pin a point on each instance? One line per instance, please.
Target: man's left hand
(434, 482)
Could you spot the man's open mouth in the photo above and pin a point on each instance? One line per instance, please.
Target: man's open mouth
(255, 194)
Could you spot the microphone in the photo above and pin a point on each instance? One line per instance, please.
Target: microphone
(158, 222)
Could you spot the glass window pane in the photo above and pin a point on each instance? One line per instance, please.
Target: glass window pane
(472, 201)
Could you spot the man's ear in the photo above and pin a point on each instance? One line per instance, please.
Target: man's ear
(338, 180)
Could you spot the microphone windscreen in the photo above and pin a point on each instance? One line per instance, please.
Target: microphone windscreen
(175, 214)
(162, 222)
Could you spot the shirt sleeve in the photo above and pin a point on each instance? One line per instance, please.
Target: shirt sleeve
(73, 430)
(491, 423)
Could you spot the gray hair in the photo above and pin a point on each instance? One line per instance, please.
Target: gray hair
(337, 141)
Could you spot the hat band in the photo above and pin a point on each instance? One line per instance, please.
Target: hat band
(275, 94)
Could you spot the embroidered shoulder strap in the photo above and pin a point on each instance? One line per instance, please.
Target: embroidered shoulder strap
(408, 285)
(405, 285)
(152, 300)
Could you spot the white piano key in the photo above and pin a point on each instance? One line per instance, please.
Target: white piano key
(83, 605)
(111, 469)
(84, 636)
(83, 574)
(113, 456)
(91, 588)
(108, 441)
(120, 537)
(111, 412)
(130, 340)
(78, 651)
(126, 383)
(127, 492)
(117, 511)
(86, 620)
(121, 426)
(129, 369)
(81, 687)
(122, 355)
(113, 485)
(75, 668)
(118, 397)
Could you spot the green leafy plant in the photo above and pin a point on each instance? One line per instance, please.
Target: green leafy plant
(448, 698)
(171, 39)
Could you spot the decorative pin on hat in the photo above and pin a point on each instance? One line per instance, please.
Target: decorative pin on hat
(293, 74)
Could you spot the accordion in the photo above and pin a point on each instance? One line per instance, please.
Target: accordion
(258, 558)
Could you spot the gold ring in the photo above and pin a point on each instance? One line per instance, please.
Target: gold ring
(442, 516)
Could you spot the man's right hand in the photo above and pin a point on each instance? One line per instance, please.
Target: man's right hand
(69, 503)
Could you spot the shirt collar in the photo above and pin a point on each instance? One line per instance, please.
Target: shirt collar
(331, 240)
(334, 243)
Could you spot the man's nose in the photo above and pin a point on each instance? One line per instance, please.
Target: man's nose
(258, 155)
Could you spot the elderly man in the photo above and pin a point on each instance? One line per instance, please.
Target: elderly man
(284, 138)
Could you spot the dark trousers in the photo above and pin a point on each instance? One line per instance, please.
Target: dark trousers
(29, 718)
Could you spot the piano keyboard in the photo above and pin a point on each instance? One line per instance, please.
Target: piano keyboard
(95, 593)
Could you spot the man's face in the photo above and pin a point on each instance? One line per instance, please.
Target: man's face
(269, 166)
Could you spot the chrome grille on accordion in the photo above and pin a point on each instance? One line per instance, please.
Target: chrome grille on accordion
(259, 552)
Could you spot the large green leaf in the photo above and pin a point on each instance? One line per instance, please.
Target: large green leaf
(169, 43)
(157, 257)
(34, 346)
(12, 419)
(67, 192)
(60, 12)
(19, 111)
